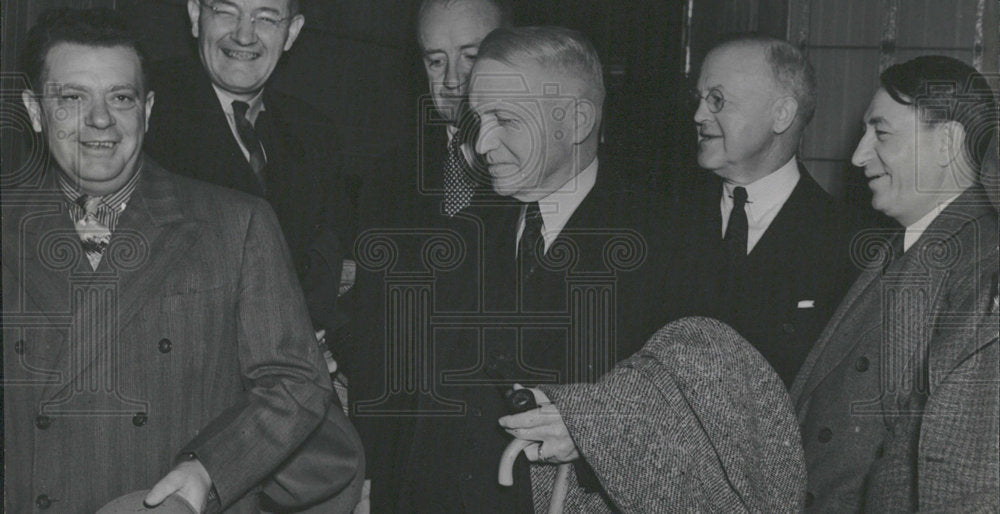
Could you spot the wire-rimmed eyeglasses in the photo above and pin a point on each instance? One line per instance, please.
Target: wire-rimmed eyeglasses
(714, 99)
(229, 15)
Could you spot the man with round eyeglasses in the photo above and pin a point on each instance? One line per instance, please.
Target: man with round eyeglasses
(767, 250)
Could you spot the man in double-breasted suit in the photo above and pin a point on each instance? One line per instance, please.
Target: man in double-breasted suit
(765, 248)
(899, 400)
(217, 121)
(155, 335)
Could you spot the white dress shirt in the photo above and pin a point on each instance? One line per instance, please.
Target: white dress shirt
(764, 199)
(917, 228)
(256, 106)
(559, 206)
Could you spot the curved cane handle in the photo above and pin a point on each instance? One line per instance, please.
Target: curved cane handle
(506, 473)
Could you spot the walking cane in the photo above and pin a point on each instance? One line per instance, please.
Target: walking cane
(523, 400)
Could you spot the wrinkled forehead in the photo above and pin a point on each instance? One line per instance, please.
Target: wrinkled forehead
(492, 80)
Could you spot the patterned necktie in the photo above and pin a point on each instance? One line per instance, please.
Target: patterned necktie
(250, 140)
(457, 185)
(736, 230)
(94, 235)
(528, 246)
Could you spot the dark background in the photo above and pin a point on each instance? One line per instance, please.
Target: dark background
(357, 61)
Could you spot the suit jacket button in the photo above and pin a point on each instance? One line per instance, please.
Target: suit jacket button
(140, 419)
(809, 500)
(467, 477)
(42, 421)
(861, 364)
(788, 328)
(164, 345)
(19, 347)
(825, 435)
(42, 501)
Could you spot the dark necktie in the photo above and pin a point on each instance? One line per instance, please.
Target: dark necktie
(736, 230)
(250, 140)
(457, 185)
(530, 246)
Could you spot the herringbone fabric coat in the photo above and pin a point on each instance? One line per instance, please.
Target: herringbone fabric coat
(695, 421)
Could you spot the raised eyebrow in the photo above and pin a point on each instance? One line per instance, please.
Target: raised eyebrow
(123, 87)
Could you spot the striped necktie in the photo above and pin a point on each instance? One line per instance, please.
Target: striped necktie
(250, 140)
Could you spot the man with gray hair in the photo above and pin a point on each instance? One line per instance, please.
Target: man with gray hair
(574, 236)
(766, 247)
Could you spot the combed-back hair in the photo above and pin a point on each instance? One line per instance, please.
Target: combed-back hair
(567, 51)
(502, 6)
(100, 27)
(789, 67)
(946, 89)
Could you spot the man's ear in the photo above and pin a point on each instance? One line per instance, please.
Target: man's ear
(294, 27)
(585, 121)
(34, 108)
(785, 109)
(149, 107)
(194, 12)
(949, 138)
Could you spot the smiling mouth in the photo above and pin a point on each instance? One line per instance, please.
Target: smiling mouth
(876, 177)
(99, 145)
(240, 55)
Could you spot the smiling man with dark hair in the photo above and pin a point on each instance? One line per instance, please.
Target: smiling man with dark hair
(161, 338)
(899, 401)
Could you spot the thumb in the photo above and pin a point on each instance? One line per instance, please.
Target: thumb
(168, 485)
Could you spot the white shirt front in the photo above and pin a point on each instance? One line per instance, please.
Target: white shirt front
(765, 197)
(256, 106)
(917, 228)
(559, 206)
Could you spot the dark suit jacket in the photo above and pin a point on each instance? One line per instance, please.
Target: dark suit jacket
(431, 255)
(189, 135)
(569, 322)
(192, 335)
(803, 256)
(900, 398)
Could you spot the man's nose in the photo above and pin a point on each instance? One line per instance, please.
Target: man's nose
(452, 75)
(702, 114)
(98, 115)
(863, 152)
(485, 141)
(244, 33)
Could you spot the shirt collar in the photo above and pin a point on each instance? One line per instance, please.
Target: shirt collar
(116, 201)
(917, 228)
(767, 192)
(256, 103)
(557, 207)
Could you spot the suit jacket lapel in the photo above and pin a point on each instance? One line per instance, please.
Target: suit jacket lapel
(150, 238)
(828, 352)
(227, 162)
